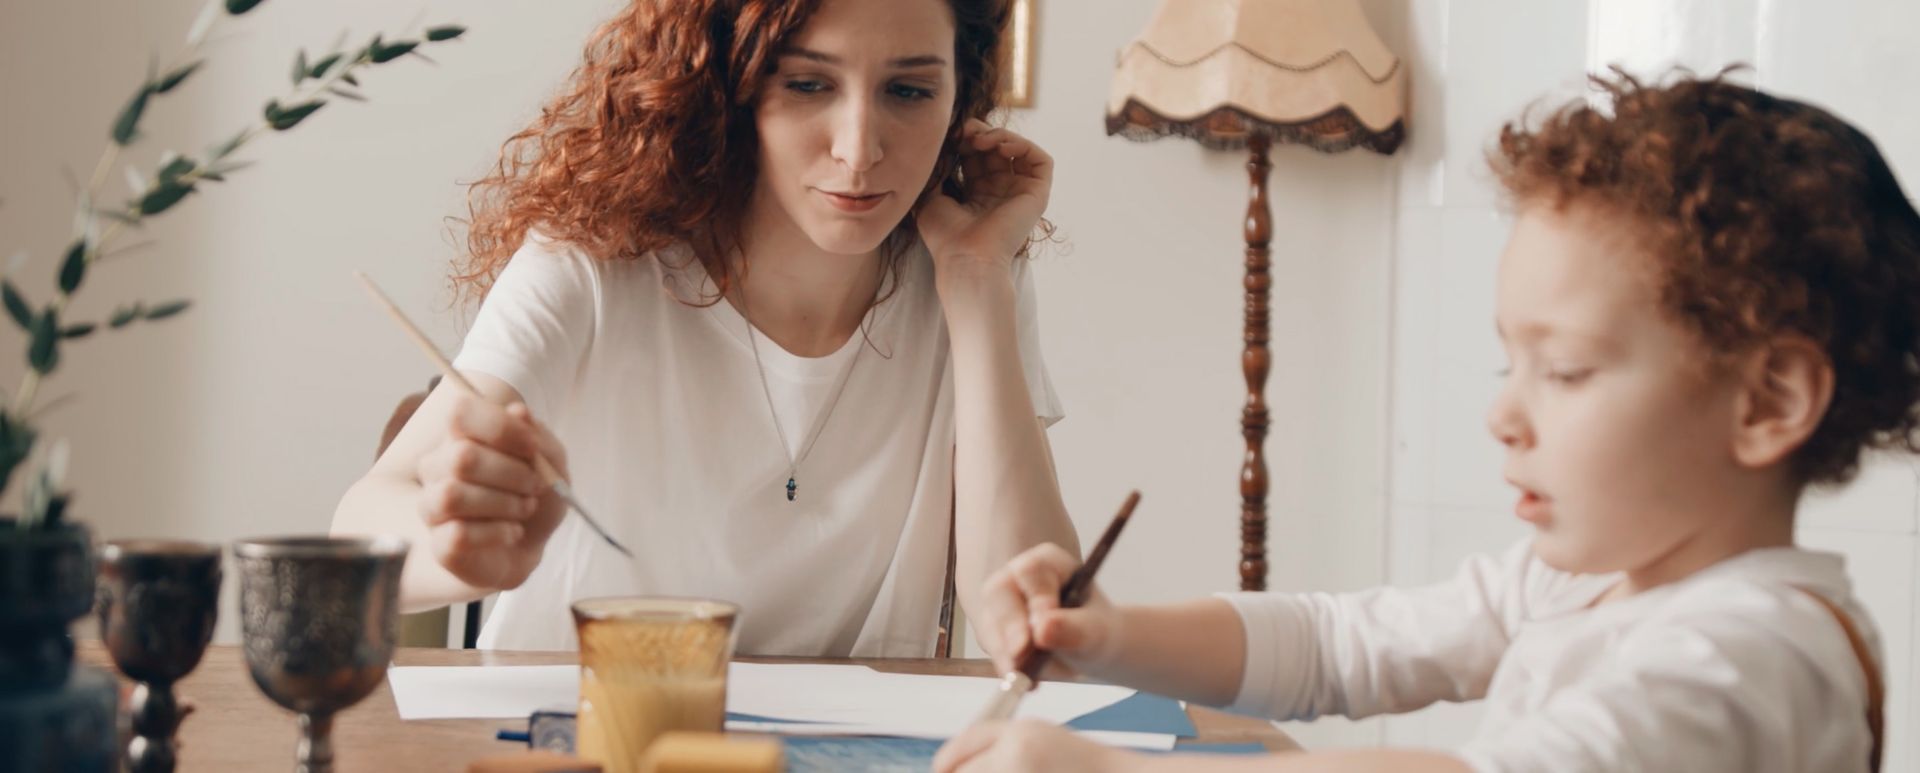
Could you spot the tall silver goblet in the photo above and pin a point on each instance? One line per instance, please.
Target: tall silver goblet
(157, 603)
(318, 616)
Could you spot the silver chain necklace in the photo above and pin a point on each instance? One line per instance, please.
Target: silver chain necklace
(793, 462)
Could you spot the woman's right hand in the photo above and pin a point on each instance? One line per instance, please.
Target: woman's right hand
(1023, 611)
(488, 515)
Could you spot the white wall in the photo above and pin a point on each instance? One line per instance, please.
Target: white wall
(251, 414)
(1479, 62)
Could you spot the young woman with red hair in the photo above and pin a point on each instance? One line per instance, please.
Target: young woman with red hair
(757, 279)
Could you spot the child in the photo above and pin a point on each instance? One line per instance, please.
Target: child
(1710, 301)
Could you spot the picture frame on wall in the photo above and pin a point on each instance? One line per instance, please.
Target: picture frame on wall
(1016, 81)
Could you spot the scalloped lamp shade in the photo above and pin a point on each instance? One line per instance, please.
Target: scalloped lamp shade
(1309, 72)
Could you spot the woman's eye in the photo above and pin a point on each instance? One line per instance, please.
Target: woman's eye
(806, 86)
(910, 93)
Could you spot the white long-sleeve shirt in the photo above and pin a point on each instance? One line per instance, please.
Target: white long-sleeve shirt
(1732, 669)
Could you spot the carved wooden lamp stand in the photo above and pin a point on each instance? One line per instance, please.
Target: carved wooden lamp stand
(1245, 74)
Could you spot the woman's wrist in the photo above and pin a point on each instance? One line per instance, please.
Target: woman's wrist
(970, 288)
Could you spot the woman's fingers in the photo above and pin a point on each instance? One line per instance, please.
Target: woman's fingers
(546, 442)
(451, 499)
(472, 462)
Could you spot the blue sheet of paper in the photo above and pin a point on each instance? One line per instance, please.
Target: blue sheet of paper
(914, 755)
(1142, 713)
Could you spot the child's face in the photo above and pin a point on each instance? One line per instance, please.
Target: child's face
(1618, 434)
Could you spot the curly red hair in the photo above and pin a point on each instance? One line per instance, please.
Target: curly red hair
(1766, 216)
(622, 162)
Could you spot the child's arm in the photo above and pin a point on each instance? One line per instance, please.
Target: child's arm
(1287, 656)
(1038, 746)
(1191, 650)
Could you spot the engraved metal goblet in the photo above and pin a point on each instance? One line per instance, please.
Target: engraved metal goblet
(158, 601)
(318, 617)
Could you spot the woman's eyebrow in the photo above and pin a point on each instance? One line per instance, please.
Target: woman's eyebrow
(922, 60)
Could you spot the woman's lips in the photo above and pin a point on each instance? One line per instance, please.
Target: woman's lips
(854, 203)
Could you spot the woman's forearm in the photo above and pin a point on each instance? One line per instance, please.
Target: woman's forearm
(385, 504)
(1006, 498)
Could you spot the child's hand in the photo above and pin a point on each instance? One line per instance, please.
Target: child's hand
(1026, 745)
(1023, 611)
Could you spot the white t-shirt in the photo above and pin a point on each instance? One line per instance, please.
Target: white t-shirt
(1732, 669)
(672, 448)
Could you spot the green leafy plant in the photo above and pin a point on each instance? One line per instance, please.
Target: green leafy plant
(175, 177)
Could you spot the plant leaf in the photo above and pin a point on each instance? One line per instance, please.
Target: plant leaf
(74, 267)
(237, 7)
(124, 127)
(321, 67)
(447, 32)
(126, 314)
(215, 154)
(174, 169)
(167, 309)
(300, 66)
(340, 92)
(136, 181)
(175, 78)
(16, 306)
(282, 119)
(348, 77)
(162, 198)
(389, 52)
(202, 23)
(227, 167)
(78, 330)
(44, 352)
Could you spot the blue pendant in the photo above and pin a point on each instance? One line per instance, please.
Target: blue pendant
(792, 488)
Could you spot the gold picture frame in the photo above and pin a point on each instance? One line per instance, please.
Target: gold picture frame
(1016, 81)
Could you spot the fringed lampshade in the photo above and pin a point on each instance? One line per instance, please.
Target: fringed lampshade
(1247, 74)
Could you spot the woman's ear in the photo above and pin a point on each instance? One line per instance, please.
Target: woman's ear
(946, 177)
(1786, 387)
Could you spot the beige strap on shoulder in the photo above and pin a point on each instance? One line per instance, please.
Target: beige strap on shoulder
(1876, 692)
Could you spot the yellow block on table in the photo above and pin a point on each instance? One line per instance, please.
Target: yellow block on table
(712, 753)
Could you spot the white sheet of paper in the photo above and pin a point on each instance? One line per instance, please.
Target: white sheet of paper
(1148, 741)
(838, 699)
(858, 695)
(481, 692)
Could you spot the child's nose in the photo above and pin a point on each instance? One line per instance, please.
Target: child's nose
(1507, 422)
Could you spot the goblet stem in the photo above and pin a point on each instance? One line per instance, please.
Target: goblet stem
(155, 716)
(316, 743)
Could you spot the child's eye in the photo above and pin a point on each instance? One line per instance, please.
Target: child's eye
(1568, 376)
(909, 93)
(806, 86)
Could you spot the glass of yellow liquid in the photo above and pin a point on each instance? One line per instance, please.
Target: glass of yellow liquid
(649, 665)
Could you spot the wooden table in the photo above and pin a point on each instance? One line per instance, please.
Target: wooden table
(234, 727)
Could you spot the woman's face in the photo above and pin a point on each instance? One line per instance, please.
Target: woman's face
(854, 118)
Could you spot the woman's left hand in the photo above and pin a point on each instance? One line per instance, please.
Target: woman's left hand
(1008, 180)
(1027, 745)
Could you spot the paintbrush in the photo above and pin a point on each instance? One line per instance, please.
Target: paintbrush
(547, 471)
(1026, 672)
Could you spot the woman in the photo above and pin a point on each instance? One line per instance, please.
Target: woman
(756, 279)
